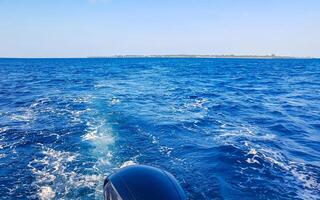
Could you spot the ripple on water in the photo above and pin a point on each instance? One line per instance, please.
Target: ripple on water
(226, 128)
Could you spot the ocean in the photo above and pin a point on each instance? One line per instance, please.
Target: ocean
(225, 128)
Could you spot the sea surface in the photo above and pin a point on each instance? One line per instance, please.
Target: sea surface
(226, 128)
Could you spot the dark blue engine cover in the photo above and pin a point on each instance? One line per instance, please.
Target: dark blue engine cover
(141, 182)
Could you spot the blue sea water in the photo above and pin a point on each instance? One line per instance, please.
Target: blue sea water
(226, 128)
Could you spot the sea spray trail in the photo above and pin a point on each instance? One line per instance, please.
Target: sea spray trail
(226, 128)
(68, 174)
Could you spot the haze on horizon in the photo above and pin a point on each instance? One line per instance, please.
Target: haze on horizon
(81, 28)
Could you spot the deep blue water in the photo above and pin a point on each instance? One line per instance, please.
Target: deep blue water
(226, 128)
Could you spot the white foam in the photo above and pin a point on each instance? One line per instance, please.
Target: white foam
(83, 99)
(242, 133)
(307, 180)
(3, 129)
(128, 163)
(55, 180)
(54, 163)
(46, 193)
(198, 103)
(154, 139)
(303, 176)
(114, 101)
(252, 160)
(252, 152)
(99, 138)
(25, 117)
(57, 174)
(26, 114)
(166, 150)
(99, 135)
(246, 138)
(77, 114)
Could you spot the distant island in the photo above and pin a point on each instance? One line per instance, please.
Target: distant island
(272, 56)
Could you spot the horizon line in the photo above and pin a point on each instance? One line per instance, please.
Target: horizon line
(231, 56)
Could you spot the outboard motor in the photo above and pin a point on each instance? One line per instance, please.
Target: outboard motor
(139, 182)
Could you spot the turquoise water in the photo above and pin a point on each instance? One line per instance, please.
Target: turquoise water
(226, 128)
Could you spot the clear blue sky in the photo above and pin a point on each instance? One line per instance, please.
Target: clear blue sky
(80, 28)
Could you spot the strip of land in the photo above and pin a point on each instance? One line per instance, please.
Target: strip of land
(203, 56)
(176, 56)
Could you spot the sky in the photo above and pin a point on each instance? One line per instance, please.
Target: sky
(82, 28)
